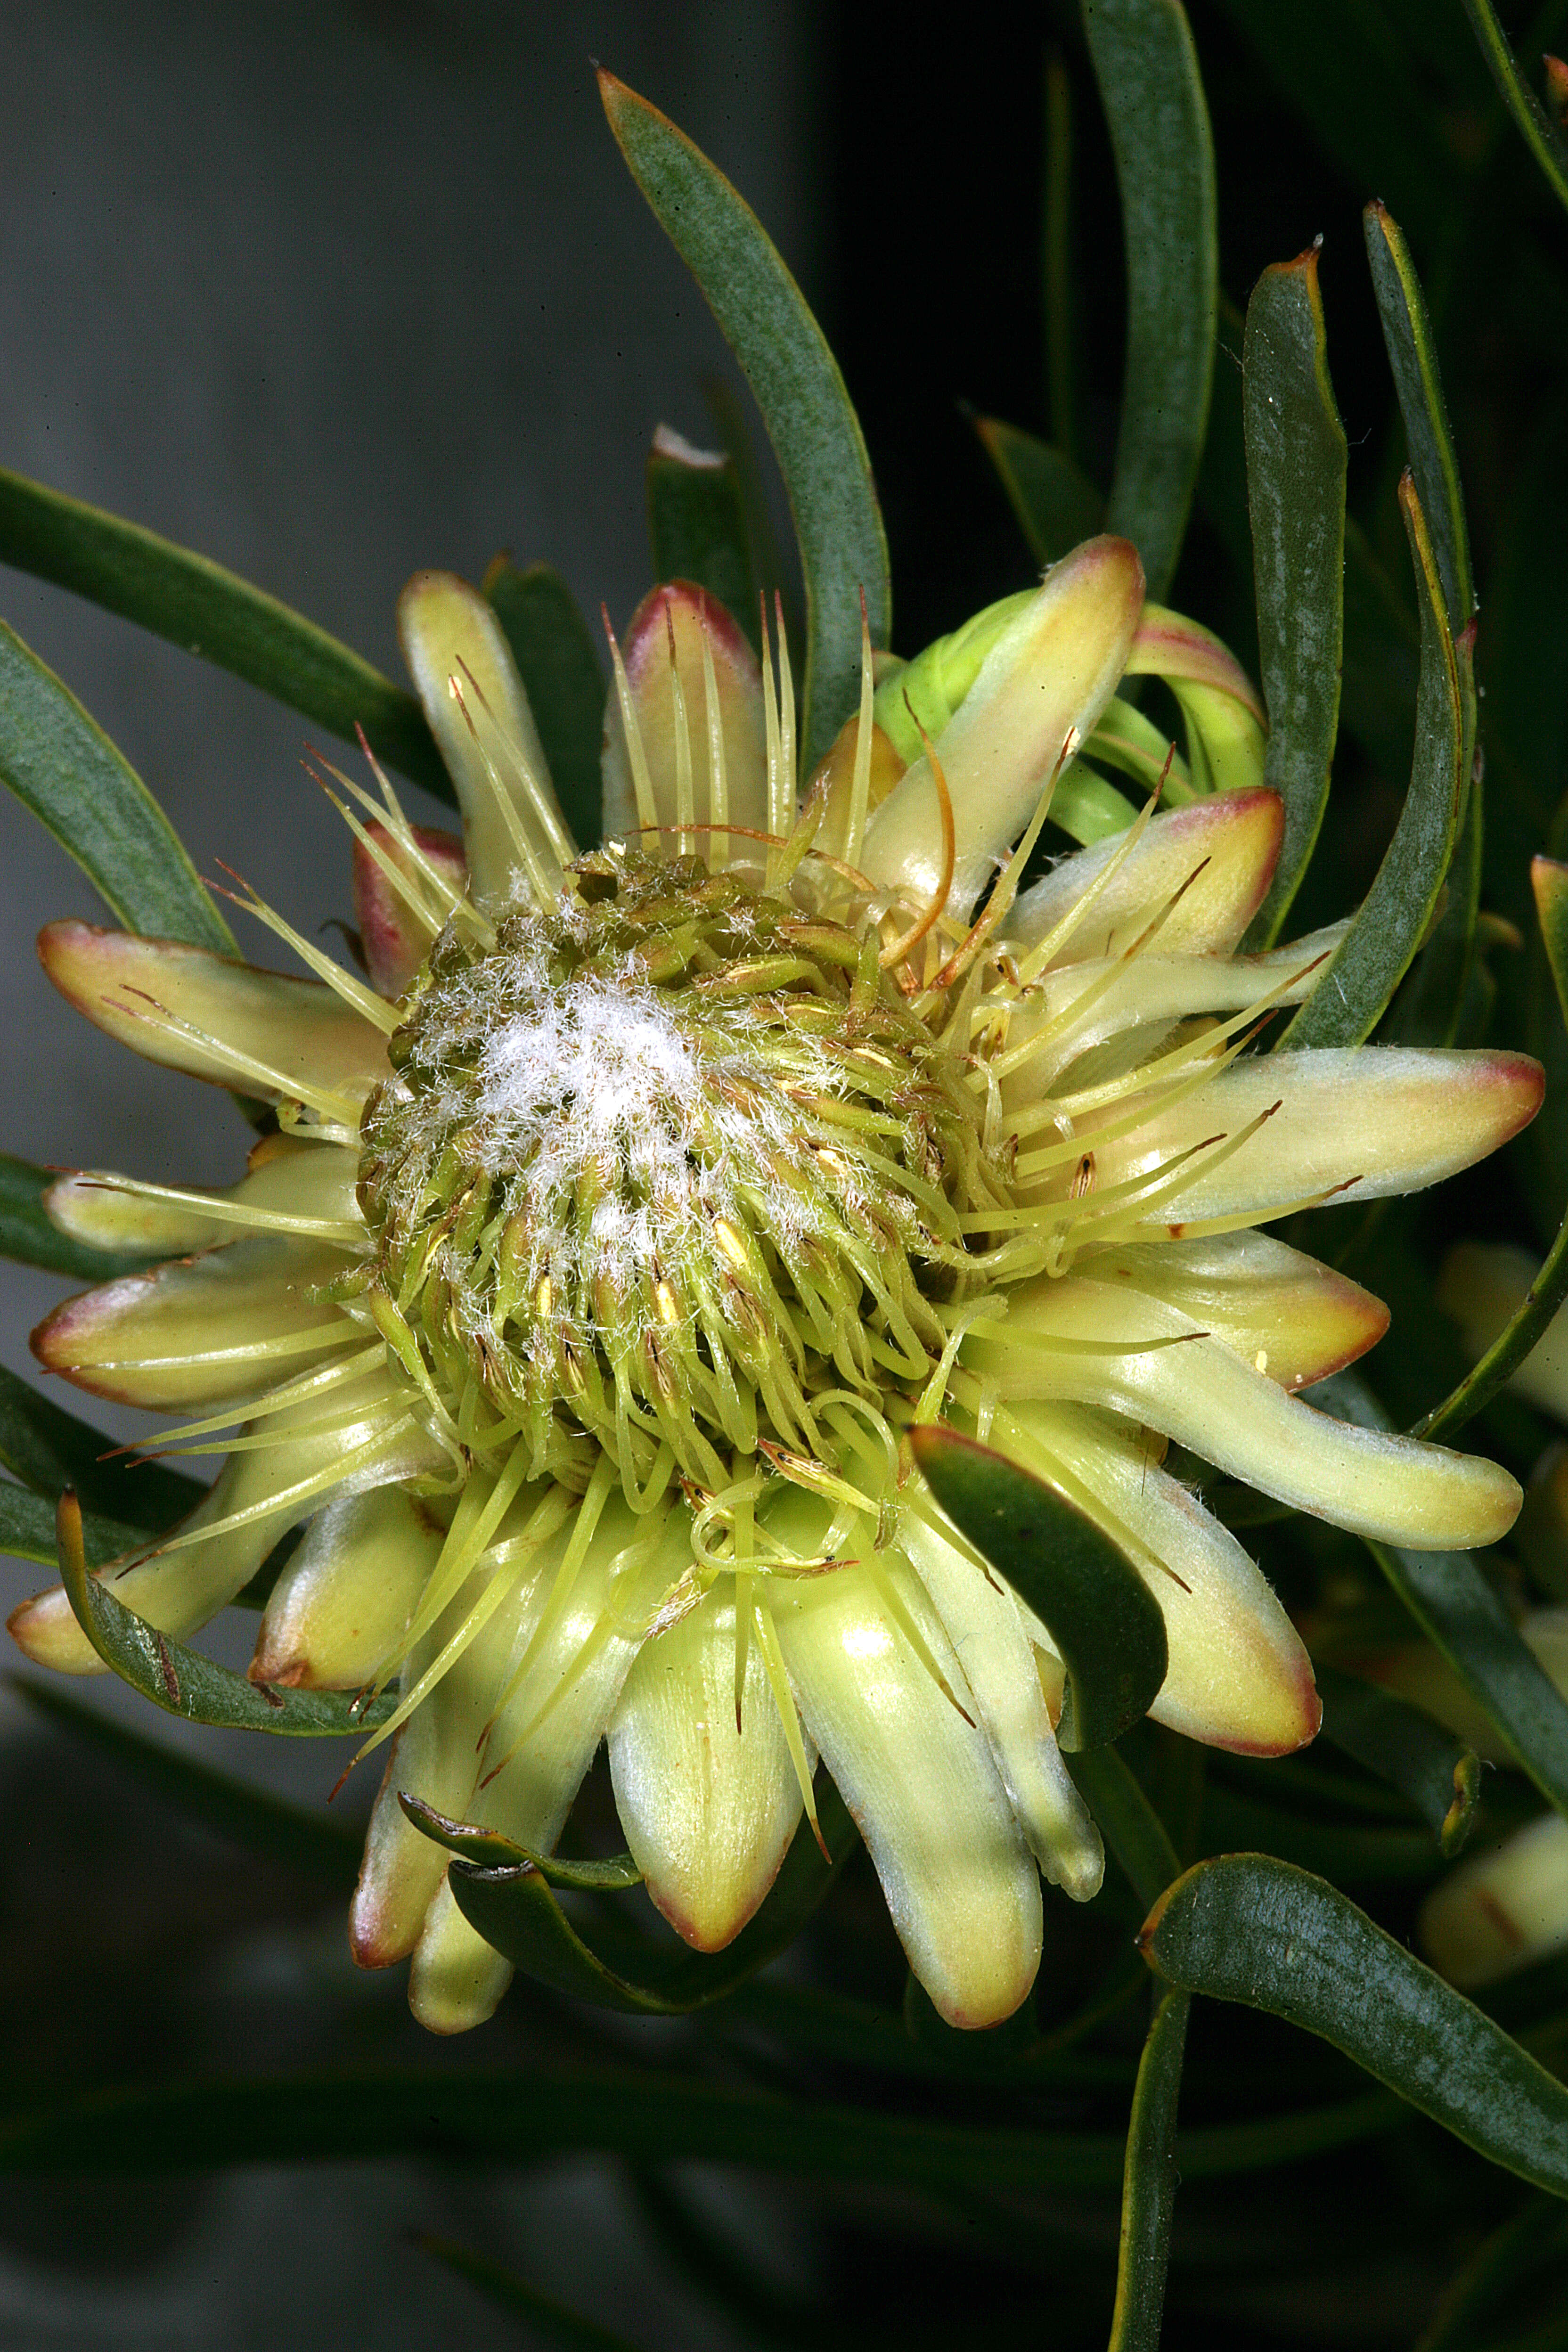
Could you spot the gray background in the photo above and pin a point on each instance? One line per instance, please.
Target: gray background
(327, 293)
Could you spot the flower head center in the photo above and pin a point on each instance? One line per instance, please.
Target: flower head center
(658, 1172)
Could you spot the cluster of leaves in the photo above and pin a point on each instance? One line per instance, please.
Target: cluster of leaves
(1232, 1879)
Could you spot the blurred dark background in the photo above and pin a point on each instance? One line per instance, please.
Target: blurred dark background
(330, 292)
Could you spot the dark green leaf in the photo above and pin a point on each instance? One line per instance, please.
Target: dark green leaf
(26, 1234)
(1340, 65)
(1101, 1615)
(1149, 83)
(515, 1910)
(1525, 2245)
(1058, 286)
(1396, 913)
(814, 429)
(1413, 356)
(1249, 1929)
(493, 1852)
(1130, 1827)
(28, 1530)
(180, 1680)
(1460, 1614)
(62, 766)
(1381, 643)
(1296, 501)
(1056, 505)
(697, 526)
(250, 1818)
(1440, 1776)
(555, 652)
(1545, 142)
(1148, 2182)
(48, 1448)
(208, 611)
(549, 2322)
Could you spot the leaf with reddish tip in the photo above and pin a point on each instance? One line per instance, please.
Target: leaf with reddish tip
(236, 1021)
(1247, 1928)
(1296, 463)
(1096, 1607)
(814, 429)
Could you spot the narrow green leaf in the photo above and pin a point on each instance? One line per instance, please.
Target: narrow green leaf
(354, 2115)
(529, 2117)
(556, 652)
(697, 525)
(198, 605)
(1431, 1004)
(248, 1817)
(1133, 1831)
(1056, 507)
(1460, 1614)
(1295, 461)
(1413, 356)
(1248, 1929)
(28, 1530)
(61, 765)
(1396, 913)
(549, 2322)
(490, 1851)
(1147, 70)
(1348, 1853)
(1148, 2182)
(48, 1448)
(1441, 1776)
(784, 357)
(180, 1680)
(26, 1234)
(1101, 1615)
(515, 1909)
(1545, 142)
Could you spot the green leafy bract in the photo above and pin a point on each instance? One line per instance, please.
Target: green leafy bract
(814, 429)
(1148, 73)
(50, 1449)
(1100, 1612)
(1247, 1928)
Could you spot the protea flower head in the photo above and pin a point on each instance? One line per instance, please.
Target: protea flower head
(620, 1224)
